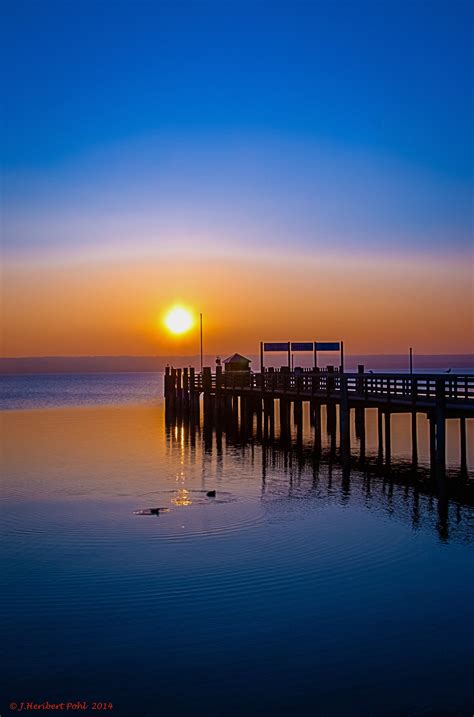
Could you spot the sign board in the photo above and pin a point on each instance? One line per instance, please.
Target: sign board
(328, 346)
(301, 345)
(278, 346)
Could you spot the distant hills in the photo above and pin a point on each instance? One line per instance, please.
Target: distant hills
(127, 364)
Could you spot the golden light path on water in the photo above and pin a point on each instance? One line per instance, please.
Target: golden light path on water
(183, 496)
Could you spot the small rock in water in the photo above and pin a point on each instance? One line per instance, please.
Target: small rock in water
(211, 493)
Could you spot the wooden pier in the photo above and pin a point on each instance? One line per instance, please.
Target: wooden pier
(244, 394)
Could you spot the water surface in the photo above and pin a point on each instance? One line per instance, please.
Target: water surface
(301, 589)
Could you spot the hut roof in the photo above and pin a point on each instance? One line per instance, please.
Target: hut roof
(236, 358)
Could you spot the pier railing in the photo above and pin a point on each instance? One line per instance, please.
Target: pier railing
(455, 388)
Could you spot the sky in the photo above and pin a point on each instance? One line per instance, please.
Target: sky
(292, 170)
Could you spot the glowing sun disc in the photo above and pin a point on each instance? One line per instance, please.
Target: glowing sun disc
(178, 320)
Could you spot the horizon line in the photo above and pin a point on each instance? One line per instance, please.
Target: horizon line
(213, 354)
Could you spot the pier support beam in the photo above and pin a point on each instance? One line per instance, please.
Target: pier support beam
(360, 430)
(218, 392)
(173, 396)
(331, 427)
(359, 422)
(331, 419)
(197, 407)
(219, 438)
(298, 420)
(297, 412)
(185, 391)
(284, 419)
(344, 419)
(440, 426)
(463, 446)
(317, 426)
(265, 419)
(193, 397)
(272, 418)
(207, 435)
(208, 398)
(388, 438)
(269, 417)
(245, 417)
(235, 409)
(179, 389)
(414, 439)
(380, 434)
(432, 441)
(258, 417)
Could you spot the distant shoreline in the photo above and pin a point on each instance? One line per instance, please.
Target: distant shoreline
(150, 364)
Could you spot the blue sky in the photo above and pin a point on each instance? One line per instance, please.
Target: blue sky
(322, 124)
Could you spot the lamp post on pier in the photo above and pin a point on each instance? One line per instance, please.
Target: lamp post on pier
(200, 332)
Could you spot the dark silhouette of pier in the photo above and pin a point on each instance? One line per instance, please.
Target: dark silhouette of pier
(255, 398)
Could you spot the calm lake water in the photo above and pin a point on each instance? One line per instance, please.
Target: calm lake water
(301, 589)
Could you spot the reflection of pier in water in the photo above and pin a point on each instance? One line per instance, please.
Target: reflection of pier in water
(409, 490)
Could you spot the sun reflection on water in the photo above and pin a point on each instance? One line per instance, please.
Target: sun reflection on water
(182, 497)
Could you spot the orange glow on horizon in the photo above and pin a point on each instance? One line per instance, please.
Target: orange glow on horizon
(375, 306)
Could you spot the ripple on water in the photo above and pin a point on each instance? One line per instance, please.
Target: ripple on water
(294, 554)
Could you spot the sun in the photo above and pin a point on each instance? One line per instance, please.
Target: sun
(178, 320)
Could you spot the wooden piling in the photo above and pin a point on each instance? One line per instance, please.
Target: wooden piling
(284, 418)
(360, 431)
(206, 380)
(463, 446)
(235, 409)
(208, 398)
(380, 434)
(271, 416)
(344, 417)
(244, 408)
(166, 386)
(298, 419)
(331, 419)
(414, 439)
(388, 438)
(185, 396)
(193, 396)
(258, 417)
(218, 394)
(179, 389)
(432, 422)
(317, 426)
(297, 412)
(440, 425)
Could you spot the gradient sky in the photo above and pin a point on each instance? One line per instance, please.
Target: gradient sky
(292, 169)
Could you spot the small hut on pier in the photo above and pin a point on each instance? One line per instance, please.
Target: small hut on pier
(237, 362)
